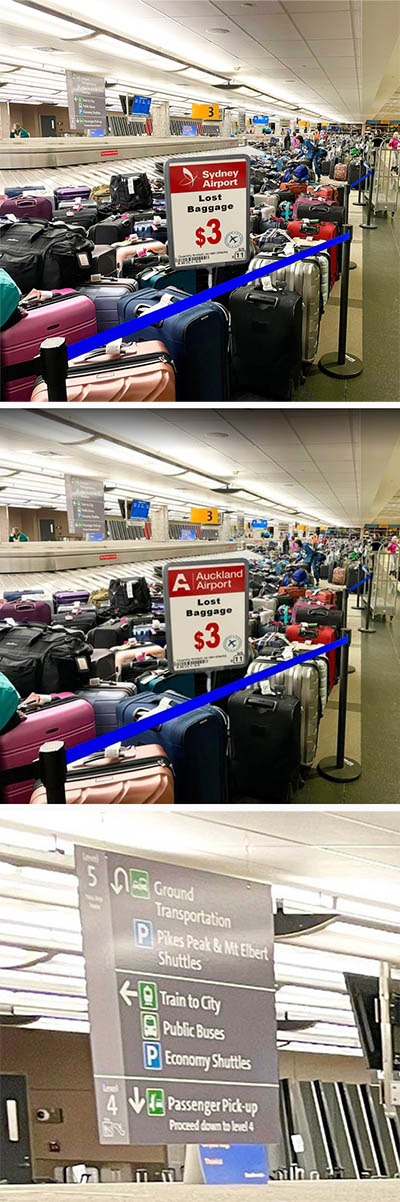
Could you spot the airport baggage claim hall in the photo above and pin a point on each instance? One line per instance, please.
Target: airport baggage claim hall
(199, 615)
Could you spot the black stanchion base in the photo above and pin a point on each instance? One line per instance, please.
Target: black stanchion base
(343, 371)
(365, 226)
(351, 770)
(360, 204)
(350, 670)
(352, 266)
(363, 630)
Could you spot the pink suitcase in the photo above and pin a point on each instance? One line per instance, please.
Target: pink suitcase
(38, 207)
(27, 610)
(67, 313)
(66, 717)
(138, 371)
(132, 249)
(132, 776)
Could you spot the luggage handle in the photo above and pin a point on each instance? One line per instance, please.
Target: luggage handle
(261, 699)
(264, 298)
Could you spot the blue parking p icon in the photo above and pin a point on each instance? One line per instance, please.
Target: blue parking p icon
(152, 1055)
(143, 932)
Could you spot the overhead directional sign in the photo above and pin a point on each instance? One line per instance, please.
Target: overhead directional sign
(206, 613)
(86, 101)
(207, 517)
(85, 505)
(179, 970)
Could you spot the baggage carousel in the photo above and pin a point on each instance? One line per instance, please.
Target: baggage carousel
(376, 1190)
(62, 161)
(30, 565)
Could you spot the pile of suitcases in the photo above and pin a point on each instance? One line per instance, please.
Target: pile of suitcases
(87, 665)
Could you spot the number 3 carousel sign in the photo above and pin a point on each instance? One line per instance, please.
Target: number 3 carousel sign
(208, 210)
(206, 612)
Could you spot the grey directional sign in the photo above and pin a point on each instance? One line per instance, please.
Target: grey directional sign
(179, 969)
(86, 100)
(85, 505)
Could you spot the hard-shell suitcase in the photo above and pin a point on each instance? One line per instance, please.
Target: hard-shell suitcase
(161, 680)
(302, 681)
(321, 232)
(293, 591)
(162, 277)
(105, 294)
(340, 171)
(321, 257)
(104, 698)
(104, 261)
(196, 744)
(37, 206)
(319, 210)
(79, 617)
(83, 213)
(135, 371)
(130, 776)
(79, 191)
(354, 173)
(265, 746)
(267, 341)
(325, 596)
(294, 186)
(324, 192)
(62, 717)
(322, 664)
(67, 314)
(314, 611)
(303, 632)
(150, 632)
(112, 633)
(196, 339)
(26, 610)
(67, 597)
(112, 230)
(303, 277)
(339, 576)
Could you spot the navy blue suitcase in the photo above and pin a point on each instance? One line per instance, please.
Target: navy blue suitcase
(106, 294)
(105, 699)
(196, 339)
(196, 744)
(150, 633)
(23, 592)
(151, 229)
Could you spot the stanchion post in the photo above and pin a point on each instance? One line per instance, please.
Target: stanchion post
(53, 771)
(368, 224)
(368, 629)
(352, 266)
(338, 363)
(341, 768)
(54, 369)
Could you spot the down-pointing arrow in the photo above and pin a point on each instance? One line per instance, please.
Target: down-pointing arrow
(136, 1102)
(126, 993)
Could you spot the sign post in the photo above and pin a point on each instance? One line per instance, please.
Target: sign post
(179, 970)
(208, 210)
(206, 614)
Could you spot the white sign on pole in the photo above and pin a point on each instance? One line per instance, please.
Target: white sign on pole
(208, 210)
(206, 613)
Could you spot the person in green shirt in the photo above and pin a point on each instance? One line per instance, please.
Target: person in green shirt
(17, 536)
(19, 132)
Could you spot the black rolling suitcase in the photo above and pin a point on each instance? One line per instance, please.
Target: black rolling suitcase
(84, 214)
(81, 618)
(267, 341)
(113, 229)
(265, 746)
(116, 631)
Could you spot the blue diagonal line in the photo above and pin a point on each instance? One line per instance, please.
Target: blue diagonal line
(132, 729)
(359, 181)
(151, 318)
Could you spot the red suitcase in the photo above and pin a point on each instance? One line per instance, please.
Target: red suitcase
(318, 231)
(66, 313)
(302, 633)
(65, 717)
(39, 207)
(27, 610)
(324, 596)
(295, 186)
(294, 591)
(325, 192)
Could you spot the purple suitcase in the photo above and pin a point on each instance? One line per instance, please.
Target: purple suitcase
(80, 190)
(68, 313)
(65, 717)
(38, 207)
(81, 596)
(26, 610)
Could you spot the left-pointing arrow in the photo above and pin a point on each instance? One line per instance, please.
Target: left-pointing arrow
(127, 993)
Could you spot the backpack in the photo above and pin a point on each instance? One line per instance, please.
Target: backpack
(9, 700)
(131, 192)
(300, 576)
(301, 172)
(130, 596)
(10, 296)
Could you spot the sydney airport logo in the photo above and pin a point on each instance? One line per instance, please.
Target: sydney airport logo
(189, 180)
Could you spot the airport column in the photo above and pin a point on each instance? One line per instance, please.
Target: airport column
(4, 524)
(161, 120)
(5, 123)
(226, 127)
(159, 523)
(225, 529)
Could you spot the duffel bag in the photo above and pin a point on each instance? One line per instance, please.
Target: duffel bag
(45, 254)
(44, 659)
